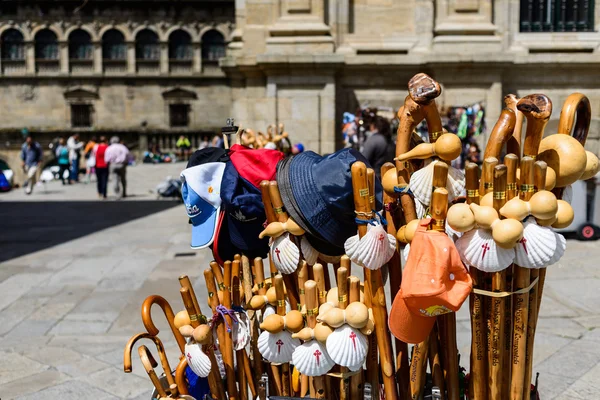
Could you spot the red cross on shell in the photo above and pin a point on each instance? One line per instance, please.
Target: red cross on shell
(317, 355)
(279, 343)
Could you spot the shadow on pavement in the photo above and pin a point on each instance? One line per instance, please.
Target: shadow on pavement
(27, 227)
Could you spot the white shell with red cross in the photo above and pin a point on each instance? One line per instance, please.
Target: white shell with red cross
(277, 347)
(347, 347)
(310, 254)
(372, 250)
(478, 249)
(540, 246)
(196, 359)
(312, 359)
(285, 254)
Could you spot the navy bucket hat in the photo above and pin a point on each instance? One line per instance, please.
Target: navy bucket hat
(244, 213)
(321, 188)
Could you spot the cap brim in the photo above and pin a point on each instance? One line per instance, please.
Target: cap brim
(203, 233)
(406, 326)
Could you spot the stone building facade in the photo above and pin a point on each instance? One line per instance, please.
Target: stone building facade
(149, 70)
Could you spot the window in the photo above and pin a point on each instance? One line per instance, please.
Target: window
(80, 45)
(213, 47)
(180, 46)
(113, 46)
(557, 15)
(81, 115)
(12, 45)
(46, 45)
(179, 115)
(147, 46)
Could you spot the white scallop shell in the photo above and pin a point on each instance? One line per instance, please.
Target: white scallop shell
(277, 347)
(196, 359)
(568, 194)
(347, 347)
(310, 254)
(477, 248)
(539, 247)
(420, 209)
(312, 359)
(421, 183)
(405, 253)
(372, 250)
(285, 254)
(452, 234)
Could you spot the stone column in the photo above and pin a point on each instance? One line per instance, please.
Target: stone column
(30, 57)
(164, 58)
(98, 57)
(131, 68)
(63, 57)
(197, 57)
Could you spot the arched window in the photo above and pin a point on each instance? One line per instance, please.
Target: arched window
(80, 45)
(180, 46)
(12, 45)
(213, 46)
(113, 46)
(46, 45)
(147, 46)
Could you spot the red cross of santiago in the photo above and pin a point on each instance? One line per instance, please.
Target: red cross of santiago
(353, 337)
(523, 241)
(277, 251)
(485, 248)
(279, 343)
(317, 355)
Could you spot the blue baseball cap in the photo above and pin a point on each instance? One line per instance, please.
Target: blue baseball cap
(244, 212)
(201, 195)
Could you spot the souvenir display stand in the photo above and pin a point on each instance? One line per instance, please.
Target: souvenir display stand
(294, 331)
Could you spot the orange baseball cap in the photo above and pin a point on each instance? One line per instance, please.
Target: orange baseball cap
(434, 282)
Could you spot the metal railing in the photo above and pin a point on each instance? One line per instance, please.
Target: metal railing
(557, 16)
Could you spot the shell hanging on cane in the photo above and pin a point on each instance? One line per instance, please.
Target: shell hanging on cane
(421, 183)
(197, 360)
(312, 359)
(540, 246)
(477, 248)
(372, 250)
(285, 254)
(347, 347)
(277, 347)
(311, 255)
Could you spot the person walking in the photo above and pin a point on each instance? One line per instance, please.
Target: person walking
(75, 146)
(90, 159)
(31, 155)
(117, 157)
(101, 167)
(183, 145)
(379, 148)
(62, 156)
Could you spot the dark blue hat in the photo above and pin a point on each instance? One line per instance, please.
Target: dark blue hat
(322, 190)
(244, 212)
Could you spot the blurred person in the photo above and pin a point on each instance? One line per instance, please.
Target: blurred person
(297, 148)
(101, 167)
(62, 155)
(31, 155)
(183, 145)
(474, 153)
(218, 141)
(75, 146)
(90, 159)
(203, 143)
(117, 157)
(379, 148)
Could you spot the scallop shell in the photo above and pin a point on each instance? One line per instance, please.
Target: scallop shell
(197, 360)
(539, 247)
(312, 359)
(420, 209)
(477, 248)
(310, 254)
(285, 254)
(568, 194)
(452, 234)
(347, 347)
(277, 347)
(405, 253)
(421, 183)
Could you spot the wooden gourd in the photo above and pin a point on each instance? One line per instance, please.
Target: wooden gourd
(406, 233)
(320, 332)
(542, 205)
(259, 301)
(460, 217)
(186, 331)
(506, 232)
(356, 315)
(565, 155)
(181, 318)
(563, 218)
(447, 147)
(203, 334)
(276, 229)
(292, 322)
(592, 166)
(389, 181)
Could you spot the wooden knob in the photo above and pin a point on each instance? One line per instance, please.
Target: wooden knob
(203, 334)
(564, 215)
(292, 322)
(591, 167)
(565, 155)
(447, 147)
(550, 179)
(507, 233)
(186, 330)
(181, 318)
(460, 217)
(389, 181)
(485, 216)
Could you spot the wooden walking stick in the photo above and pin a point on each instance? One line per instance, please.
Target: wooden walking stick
(319, 277)
(513, 145)
(317, 383)
(244, 377)
(149, 364)
(357, 380)
(302, 279)
(500, 134)
(161, 353)
(168, 311)
(435, 362)
(478, 366)
(227, 349)
(342, 286)
(375, 283)
(281, 310)
(395, 279)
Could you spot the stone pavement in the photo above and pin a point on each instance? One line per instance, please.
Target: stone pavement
(68, 306)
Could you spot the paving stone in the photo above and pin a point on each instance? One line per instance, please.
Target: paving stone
(100, 306)
(92, 345)
(546, 344)
(553, 308)
(31, 384)
(593, 334)
(17, 285)
(86, 271)
(52, 355)
(17, 344)
(114, 381)
(563, 327)
(584, 388)
(552, 385)
(18, 311)
(68, 327)
(52, 311)
(70, 390)
(588, 295)
(15, 366)
(83, 367)
(31, 329)
(589, 321)
(582, 355)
